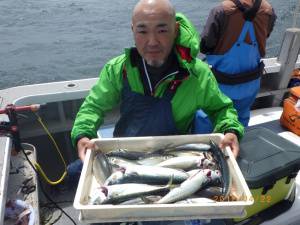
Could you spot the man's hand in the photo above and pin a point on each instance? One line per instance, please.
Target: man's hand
(231, 140)
(82, 145)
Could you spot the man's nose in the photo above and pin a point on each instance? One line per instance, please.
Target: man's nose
(152, 40)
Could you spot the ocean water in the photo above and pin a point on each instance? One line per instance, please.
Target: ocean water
(57, 40)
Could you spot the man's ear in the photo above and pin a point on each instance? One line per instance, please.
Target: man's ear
(177, 25)
(132, 27)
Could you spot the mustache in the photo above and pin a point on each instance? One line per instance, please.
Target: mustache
(153, 49)
(155, 63)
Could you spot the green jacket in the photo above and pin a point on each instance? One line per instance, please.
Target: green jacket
(199, 91)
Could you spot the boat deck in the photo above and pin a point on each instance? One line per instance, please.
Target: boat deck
(60, 102)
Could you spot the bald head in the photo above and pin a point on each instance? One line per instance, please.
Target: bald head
(155, 30)
(163, 7)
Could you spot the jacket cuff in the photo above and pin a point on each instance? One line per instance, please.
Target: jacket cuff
(233, 131)
(78, 138)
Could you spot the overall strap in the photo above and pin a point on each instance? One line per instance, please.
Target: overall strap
(248, 27)
(249, 13)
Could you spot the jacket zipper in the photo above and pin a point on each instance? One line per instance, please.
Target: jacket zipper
(152, 90)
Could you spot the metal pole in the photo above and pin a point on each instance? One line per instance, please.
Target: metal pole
(287, 58)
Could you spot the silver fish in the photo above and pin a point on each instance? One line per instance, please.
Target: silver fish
(190, 186)
(153, 160)
(211, 192)
(205, 154)
(146, 175)
(194, 147)
(115, 194)
(115, 177)
(101, 168)
(142, 200)
(126, 154)
(121, 162)
(187, 162)
(189, 147)
(192, 172)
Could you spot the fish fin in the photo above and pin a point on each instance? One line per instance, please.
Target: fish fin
(170, 184)
(107, 163)
(146, 200)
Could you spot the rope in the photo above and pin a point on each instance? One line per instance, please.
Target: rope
(39, 168)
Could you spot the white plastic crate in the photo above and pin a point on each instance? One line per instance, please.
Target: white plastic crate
(151, 212)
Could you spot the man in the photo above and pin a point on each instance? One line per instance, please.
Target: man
(160, 84)
(234, 41)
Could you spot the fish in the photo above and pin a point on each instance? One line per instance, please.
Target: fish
(194, 147)
(187, 162)
(118, 193)
(142, 200)
(183, 147)
(118, 162)
(222, 160)
(190, 186)
(214, 192)
(133, 157)
(101, 168)
(192, 172)
(126, 154)
(146, 175)
(153, 160)
(190, 153)
(116, 177)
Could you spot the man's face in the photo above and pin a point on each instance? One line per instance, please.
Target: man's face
(154, 35)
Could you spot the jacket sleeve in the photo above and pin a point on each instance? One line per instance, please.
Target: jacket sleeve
(273, 18)
(103, 96)
(218, 106)
(212, 30)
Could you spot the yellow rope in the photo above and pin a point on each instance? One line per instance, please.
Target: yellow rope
(39, 168)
